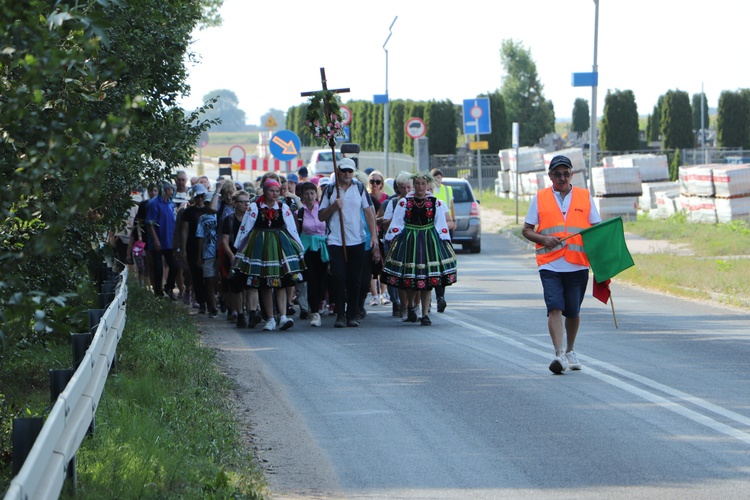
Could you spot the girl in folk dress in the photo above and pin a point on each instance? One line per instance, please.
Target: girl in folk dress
(421, 256)
(269, 252)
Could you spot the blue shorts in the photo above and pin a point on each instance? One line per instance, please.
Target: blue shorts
(564, 291)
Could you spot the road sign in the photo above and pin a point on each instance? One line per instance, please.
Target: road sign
(237, 155)
(515, 135)
(479, 145)
(344, 135)
(285, 145)
(477, 116)
(271, 122)
(585, 79)
(380, 98)
(346, 115)
(415, 127)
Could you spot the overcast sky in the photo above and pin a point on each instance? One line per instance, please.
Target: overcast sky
(269, 52)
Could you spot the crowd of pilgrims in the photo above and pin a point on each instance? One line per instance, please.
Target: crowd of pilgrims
(322, 245)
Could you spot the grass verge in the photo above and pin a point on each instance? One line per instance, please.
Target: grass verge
(165, 427)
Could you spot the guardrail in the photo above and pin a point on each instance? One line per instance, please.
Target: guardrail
(52, 457)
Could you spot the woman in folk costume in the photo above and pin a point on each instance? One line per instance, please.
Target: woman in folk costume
(420, 256)
(269, 252)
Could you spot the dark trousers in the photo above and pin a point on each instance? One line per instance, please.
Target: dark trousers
(347, 278)
(157, 271)
(365, 279)
(196, 276)
(315, 276)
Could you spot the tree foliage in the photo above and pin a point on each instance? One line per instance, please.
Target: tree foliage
(88, 111)
(500, 136)
(619, 130)
(677, 121)
(653, 125)
(697, 107)
(523, 94)
(581, 116)
(440, 120)
(733, 119)
(225, 111)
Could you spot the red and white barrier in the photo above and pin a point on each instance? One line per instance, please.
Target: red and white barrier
(272, 164)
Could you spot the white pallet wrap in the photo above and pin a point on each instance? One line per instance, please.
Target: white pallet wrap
(652, 167)
(682, 204)
(729, 209)
(702, 209)
(504, 155)
(528, 160)
(616, 181)
(647, 201)
(608, 161)
(502, 182)
(666, 205)
(617, 206)
(575, 155)
(697, 180)
(731, 181)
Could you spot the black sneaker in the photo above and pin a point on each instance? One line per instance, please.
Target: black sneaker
(303, 314)
(425, 321)
(412, 315)
(254, 319)
(340, 321)
(441, 304)
(241, 321)
(290, 311)
(352, 322)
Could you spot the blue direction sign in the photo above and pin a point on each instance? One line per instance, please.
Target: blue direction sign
(285, 145)
(477, 116)
(585, 79)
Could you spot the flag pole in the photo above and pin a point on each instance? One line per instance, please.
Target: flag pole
(614, 316)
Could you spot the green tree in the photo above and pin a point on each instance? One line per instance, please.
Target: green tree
(89, 110)
(733, 120)
(442, 131)
(226, 109)
(697, 111)
(500, 136)
(619, 130)
(396, 126)
(523, 94)
(674, 165)
(581, 116)
(676, 121)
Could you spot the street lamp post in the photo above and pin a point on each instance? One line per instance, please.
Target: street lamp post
(593, 139)
(386, 110)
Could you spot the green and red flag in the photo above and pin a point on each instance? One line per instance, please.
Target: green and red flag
(607, 252)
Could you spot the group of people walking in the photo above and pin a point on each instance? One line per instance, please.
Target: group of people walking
(319, 241)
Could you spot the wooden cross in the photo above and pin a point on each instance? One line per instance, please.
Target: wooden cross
(332, 143)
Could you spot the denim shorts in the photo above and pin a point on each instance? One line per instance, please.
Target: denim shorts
(564, 291)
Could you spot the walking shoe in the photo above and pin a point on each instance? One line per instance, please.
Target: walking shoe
(442, 304)
(304, 314)
(285, 323)
(412, 315)
(573, 363)
(213, 314)
(340, 321)
(384, 300)
(362, 314)
(396, 310)
(241, 321)
(270, 325)
(315, 319)
(425, 321)
(202, 310)
(404, 314)
(290, 311)
(352, 322)
(232, 316)
(374, 302)
(558, 365)
(253, 319)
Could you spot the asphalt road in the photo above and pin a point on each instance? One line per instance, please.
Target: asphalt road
(467, 408)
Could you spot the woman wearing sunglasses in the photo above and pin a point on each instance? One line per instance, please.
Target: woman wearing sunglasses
(379, 290)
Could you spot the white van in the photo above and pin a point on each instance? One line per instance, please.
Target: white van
(321, 162)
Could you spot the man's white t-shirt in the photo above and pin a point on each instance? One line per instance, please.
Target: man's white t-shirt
(354, 225)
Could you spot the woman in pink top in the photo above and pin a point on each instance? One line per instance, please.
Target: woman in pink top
(313, 235)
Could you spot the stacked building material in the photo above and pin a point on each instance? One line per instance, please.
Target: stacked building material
(617, 191)
(653, 168)
(647, 201)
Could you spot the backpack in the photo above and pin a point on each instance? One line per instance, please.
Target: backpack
(330, 187)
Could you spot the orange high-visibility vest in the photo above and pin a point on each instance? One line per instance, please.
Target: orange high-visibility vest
(552, 223)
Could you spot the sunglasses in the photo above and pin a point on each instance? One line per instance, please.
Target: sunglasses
(561, 175)
(375, 181)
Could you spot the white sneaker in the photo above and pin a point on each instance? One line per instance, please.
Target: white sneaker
(285, 323)
(315, 319)
(375, 301)
(573, 362)
(558, 365)
(270, 325)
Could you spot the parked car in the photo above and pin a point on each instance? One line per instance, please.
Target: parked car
(468, 230)
(321, 162)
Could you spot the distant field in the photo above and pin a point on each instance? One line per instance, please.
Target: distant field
(220, 142)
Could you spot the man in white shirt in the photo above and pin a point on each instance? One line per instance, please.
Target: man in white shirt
(348, 199)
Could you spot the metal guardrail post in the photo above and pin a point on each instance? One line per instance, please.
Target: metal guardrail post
(25, 431)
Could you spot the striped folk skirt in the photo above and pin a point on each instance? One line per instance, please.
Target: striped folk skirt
(269, 258)
(418, 259)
